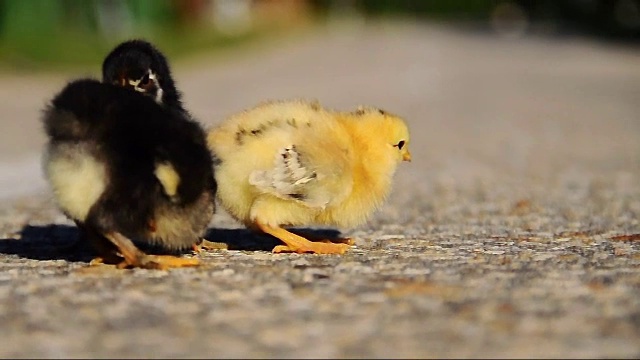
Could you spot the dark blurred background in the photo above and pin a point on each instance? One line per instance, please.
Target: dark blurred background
(47, 33)
(618, 19)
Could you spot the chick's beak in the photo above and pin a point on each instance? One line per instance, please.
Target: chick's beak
(406, 156)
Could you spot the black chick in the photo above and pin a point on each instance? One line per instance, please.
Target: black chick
(138, 65)
(127, 169)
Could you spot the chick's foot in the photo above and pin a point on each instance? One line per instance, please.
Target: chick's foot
(111, 259)
(209, 245)
(160, 262)
(313, 237)
(298, 244)
(133, 257)
(313, 247)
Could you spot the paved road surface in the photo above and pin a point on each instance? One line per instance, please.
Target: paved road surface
(513, 233)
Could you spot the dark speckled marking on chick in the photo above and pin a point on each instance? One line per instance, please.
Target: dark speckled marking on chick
(265, 127)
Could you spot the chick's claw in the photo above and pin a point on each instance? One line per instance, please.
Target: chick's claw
(97, 262)
(106, 259)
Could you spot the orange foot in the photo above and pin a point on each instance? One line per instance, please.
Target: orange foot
(313, 237)
(298, 244)
(209, 245)
(313, 247)
(160, 262)
(132, 257)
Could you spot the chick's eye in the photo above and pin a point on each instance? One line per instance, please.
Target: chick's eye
(145, 81)
(400, 144)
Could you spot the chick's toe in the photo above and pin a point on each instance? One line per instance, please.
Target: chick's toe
(337, 240)
(313, 247)
(161, 262)
(209, 245)
(348, 241)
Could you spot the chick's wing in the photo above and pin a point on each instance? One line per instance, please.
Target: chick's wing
(315, 169)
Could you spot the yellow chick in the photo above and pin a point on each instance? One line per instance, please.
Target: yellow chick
(294, 163)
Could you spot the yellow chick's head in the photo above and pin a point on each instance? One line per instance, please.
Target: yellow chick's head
(391, 127)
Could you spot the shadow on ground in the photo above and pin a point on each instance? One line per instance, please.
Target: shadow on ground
(247, 240)
(51, 242)
(63, 242)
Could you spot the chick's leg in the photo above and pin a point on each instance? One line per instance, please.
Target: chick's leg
(133, 257)
(298, 244)
(107, 252)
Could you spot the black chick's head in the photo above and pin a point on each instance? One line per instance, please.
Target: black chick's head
(140, 66)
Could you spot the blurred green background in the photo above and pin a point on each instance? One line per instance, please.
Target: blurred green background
(39, 34)
(45, 34)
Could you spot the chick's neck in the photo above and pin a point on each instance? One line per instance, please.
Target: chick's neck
(374, 165)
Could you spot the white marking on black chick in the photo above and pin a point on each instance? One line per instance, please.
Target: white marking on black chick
(146, 85)
(140, 66)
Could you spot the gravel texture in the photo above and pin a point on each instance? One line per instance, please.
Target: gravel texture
(514, 232)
